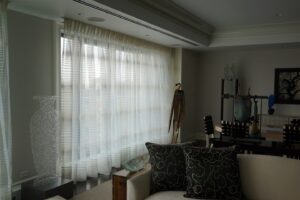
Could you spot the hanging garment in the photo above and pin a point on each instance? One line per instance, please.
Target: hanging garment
(177, 112)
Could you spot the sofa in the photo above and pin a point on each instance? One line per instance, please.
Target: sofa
(263, 177)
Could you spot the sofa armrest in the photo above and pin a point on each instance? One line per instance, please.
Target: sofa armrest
(138, 186)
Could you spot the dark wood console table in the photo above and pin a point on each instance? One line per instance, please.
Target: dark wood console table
(57, 186)
(258, 146)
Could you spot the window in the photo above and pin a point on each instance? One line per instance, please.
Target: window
(115, 96)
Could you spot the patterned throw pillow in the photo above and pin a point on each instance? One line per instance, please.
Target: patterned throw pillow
(168, 166)
(212, 174)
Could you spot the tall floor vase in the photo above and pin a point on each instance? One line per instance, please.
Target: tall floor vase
(44, 127)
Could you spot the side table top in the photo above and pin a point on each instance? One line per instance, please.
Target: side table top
(128, 174)
(123, 173)
(56, 198)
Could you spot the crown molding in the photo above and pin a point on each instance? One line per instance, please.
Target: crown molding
(266, 29)
(258, 35)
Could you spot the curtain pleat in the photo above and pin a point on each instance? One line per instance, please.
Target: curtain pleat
(5, 126)
(115, 96)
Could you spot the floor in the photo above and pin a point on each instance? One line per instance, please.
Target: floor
(99, 184)
(99, 192)
(90, 183)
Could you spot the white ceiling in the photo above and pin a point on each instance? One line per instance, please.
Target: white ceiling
(236, 22)
(228, 14)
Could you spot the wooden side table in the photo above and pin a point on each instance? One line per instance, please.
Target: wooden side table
(119, 182)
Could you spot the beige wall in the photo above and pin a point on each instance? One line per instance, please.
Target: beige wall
(190, 66)
(255, 68)
(31, 74)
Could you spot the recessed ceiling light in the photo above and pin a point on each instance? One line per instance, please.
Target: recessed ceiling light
(95, 19)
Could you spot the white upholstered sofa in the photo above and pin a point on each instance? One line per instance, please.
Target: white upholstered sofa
(263, 177)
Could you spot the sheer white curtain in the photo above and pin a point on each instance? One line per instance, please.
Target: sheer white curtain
(5, 129)
(115, 96)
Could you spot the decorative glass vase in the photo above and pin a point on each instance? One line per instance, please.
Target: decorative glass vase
(44, 128)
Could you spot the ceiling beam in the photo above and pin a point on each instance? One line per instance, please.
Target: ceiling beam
(184, 24)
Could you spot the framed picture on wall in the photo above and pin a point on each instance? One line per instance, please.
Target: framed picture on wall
(287, 85)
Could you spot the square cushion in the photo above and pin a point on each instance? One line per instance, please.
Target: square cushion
(212, 173)
(168, 166)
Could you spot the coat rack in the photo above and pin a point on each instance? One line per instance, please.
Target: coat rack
(227, 96)
(232, 96)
